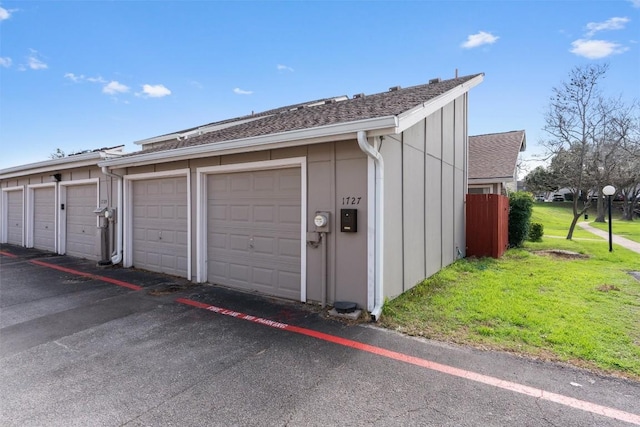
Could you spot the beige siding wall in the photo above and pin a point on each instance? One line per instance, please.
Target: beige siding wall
(335, 171)
(393, 230)
(425, 184)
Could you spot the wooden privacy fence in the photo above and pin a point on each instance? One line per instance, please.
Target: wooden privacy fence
(487, 225)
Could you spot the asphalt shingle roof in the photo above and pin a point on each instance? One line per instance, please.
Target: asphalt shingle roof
(494, 155)
(299, 116)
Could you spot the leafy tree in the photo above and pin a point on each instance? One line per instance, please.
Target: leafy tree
(541, 180)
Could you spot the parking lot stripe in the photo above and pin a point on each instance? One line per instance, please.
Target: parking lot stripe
(445, 369)
(89, 275)
(9, 254)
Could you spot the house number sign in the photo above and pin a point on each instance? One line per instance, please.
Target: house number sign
(351, 200)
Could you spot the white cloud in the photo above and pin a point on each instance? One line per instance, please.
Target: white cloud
(114, 87)
(34, 62)
(609, 24)
(155, 91)
(596, 49)
(242, 92)
(4, 14)
(73, 77)
(479, 39)
(95, 79)
(5, 62)
(284, 68)
(635, 3)
(82, 78)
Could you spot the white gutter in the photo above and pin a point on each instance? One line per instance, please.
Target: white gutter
(379, 232)
(116, 256)
(282, 139)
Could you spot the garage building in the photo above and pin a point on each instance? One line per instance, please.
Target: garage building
(235, 202)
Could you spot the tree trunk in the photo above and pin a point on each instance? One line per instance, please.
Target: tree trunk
(601, 209)
(573, 226)
(576, 216)
(627, 209)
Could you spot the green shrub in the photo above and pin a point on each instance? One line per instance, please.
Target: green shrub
(520, 208)
(536, 231)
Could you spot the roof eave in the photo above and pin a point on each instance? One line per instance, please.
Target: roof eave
(56, 165)
(340, 131)
(420, 112)
(491, 180)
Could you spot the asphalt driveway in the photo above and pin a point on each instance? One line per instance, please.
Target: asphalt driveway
(82, 345)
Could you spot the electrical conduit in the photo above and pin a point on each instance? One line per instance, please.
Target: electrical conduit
(379, 231)
(116, 256)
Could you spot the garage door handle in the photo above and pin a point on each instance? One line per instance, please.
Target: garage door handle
(159, 235)
(251, 243)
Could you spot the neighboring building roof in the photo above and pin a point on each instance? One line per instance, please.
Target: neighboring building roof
(495, 155)
(74, 160)
(391, 111)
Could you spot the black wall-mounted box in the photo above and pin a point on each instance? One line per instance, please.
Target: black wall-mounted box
(349, 220)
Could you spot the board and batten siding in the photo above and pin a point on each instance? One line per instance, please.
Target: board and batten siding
(424, 197)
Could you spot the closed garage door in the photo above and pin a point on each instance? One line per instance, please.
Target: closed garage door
(81, 223)
(254, 231)
(44, 213)
(160, 225)
(15, 217)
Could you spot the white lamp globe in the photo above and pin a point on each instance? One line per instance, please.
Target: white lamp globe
(609, 190)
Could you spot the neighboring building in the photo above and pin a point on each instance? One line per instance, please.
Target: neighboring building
(235, 202)
(493, 160)
(50, 205)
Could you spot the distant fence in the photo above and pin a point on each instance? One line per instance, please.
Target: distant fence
(487, 225)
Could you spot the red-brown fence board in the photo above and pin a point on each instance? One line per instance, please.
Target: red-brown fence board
(487, 225)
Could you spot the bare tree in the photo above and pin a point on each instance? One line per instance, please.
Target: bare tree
(58, 154)
(586, 133)
(627, 175)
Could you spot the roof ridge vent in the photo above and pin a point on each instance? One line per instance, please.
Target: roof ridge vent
(436, 80)
(394, 88)
(330, 101)
(358, 95)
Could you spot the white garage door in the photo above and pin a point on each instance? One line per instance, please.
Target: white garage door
(15, 217)
(160, 225)
(253, 228)
(81, 223)
(44, 213)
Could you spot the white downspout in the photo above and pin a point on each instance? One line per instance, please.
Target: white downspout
(116, 256)
(379, 232)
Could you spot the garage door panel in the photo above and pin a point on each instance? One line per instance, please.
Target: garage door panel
(289, 248)
(240, 213)
(15, 217)
(289, 283)
(160, 227)
(289, 215)
(264, 276)
(254, 231)
(44, 218)
(81, 226)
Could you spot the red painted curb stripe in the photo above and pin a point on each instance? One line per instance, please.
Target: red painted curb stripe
(92, 276)
(449, 370)
(9, 254)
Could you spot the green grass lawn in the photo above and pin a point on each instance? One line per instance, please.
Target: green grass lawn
(585, 310)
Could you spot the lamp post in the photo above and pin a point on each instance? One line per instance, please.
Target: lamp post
(609, 191)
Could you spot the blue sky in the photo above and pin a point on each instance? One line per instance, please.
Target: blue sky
(80, 75)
